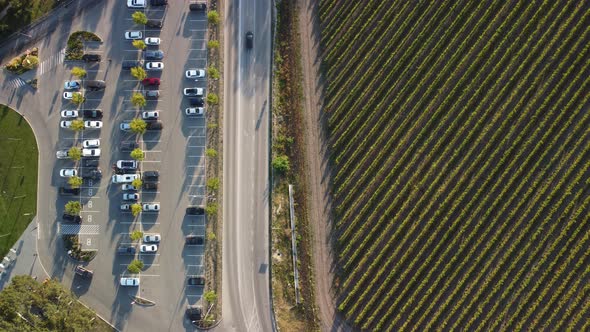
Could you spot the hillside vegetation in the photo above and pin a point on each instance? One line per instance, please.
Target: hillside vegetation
(460, 143)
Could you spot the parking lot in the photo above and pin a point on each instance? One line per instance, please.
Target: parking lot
(177, 152)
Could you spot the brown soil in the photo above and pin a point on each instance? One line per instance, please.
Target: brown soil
(316, 157)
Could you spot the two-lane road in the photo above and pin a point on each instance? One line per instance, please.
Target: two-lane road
(246, 297)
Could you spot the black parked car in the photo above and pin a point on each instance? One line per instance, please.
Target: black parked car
(193, 313)
(95, 85)
(90, 162)
(195, 210)
(91, 173)
(200, 102)
(195, 280)
(69, 191)
(91, 57)
(128, 146)
(195, 239)
(154, 55)
(159, 2)
(84, 272)
(92, 114)
(154, 24)
(151, 176)
(154, 125)
(197, 7)
(69, 217)
(126, 250)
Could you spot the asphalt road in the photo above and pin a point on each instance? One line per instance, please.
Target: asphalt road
(246, 298)
(177, 152)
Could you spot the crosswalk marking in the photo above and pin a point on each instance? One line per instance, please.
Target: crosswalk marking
(54, 60)
(72, 229)
(17, 82)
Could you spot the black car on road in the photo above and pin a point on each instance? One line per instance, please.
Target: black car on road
(195, 210)
(249, 39)
(92, 114)
(72, 218)
(69, 191)
(196, 280)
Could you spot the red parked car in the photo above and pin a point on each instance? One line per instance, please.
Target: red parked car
(151, 81)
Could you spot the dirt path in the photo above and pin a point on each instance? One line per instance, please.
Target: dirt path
(316, 157)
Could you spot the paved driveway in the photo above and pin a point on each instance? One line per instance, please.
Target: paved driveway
(177, 153)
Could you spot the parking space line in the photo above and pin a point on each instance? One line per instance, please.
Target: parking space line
(196, 175)
(150, 275)
(151, 161)
(196, 185)
(152, 141)
(156, 151)
(196, 156)
(196, 166)
(194, 256)
(132, 222)
(197, 59)
(89, 211)
(195, 127)
(201, 30)
(195, 245)
(82, 196)
(197, 20)
(197, 49)
(196, 195)
(91, 187)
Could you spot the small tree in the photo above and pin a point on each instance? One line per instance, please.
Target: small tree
(138, 73)
(211, 236)
(213, 44)
(136, 235)
(30, 62)
(213, 73)
(138, 126)
(79, 72)
(210, 296)
(135, 209)
(139, 44)
(281, 163)
(213, 17)
(211, 153)
(75, 181)
(78, 98)
(139, 18)
(75, 153)
(77, 125)
(138, 100)
(213, 183)
(212, 99)
(137, 183)
(137, 154)
(73, 208)
(211, 209)
(135, 266)
(14, 64)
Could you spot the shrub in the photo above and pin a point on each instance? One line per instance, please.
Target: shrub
(73, 208)
(213, 73)
(213, 17)
(213, 183)
(212, 99)
(75, 181)
(139, 44)
(139, 73)
(138, 100)
(135, 266)
(30, 62)
(78, 98)
(281, 163)
(211, 153)
(137, 183)
(213, 44)
(79, 72)
(137, 154)
(75, 153)
(138, 126)
(211, 209)
(135, 209)
(139, 17)
(77, 125)
(136, 235)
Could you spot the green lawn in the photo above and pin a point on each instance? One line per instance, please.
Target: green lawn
(18, 177)
(22, 13)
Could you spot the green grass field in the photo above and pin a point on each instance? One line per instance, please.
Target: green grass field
(18, 177)
(460, 143)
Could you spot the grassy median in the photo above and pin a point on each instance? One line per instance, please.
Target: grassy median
(18, 177)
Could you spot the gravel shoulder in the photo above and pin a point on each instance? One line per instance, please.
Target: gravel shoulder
(317, 161)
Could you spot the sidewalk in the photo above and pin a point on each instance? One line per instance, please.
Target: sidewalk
(25, 258)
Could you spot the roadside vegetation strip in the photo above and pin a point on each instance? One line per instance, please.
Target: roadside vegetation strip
(18, 175)
(459, 136)
(289, 168)
(18, 14)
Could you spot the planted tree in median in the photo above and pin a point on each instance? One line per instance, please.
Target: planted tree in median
(73, 208)
(78, 98)
(138, 100)
(75, 181)
(211, 209)
(211, 153)
(213, 183)
(135, 266)
(79, 72)
(138, 73)
(281, 164)
(212, 99)
(139, 44)
(139, 17)
(135, 209)
(137, 154)
(75, 153)
(213, 44)
(213, 17)
(138, 126)
(136, 235)
(213, 73)
(77, 125)
(137, 183)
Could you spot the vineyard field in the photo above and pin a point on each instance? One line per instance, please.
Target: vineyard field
(460, 153)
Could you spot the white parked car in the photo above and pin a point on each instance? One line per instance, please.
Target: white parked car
(193, 92)
(124, 178)
(150, 115)
(68, 95)
(68, 172)
(195, 111)
(148, 248)
(65, 124)
(133, 35)
(152, 41)
(151, 207)
(69, 114)
(93, 124)
(62, 154)
(127, 281)
(72, 85)
(90, 152)
(152, 238)
(91, 143)
(125, 207)
(154, 66)
(195, 73)
(125, 126)
(130, 197)
(128, 187)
